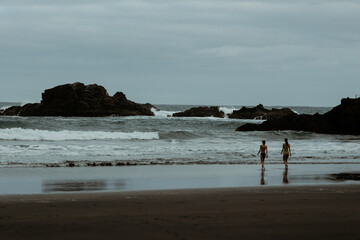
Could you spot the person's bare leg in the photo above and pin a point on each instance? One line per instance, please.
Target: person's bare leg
(285, 158)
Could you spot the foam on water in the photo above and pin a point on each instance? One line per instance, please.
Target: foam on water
(65, 135)
(162, 113)
(4, 107)
(227, 110)
(295, 112)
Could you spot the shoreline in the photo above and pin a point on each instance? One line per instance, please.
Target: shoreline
(272, 212)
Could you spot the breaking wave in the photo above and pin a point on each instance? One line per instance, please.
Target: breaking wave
(65, 135)
(228, 110)
(162, 113)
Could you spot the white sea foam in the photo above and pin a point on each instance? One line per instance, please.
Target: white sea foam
(5, 107)
(65, 135)
(295, 111)
(227, 110)
(162, 113)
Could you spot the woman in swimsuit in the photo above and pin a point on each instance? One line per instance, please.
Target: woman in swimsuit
(286, 151)
(264, 153)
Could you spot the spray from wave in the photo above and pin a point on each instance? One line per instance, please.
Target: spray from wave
(4, 107)
(162, 113)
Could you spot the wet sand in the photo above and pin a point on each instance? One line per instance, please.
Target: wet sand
(162, 177)
(288, 212)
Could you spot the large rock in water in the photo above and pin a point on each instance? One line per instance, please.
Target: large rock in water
(201, 112)
(78, 99)
(342, 119)
(259, 112)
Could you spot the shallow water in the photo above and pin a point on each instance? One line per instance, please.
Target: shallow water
(105, 179)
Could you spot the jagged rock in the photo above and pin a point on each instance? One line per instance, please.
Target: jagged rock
(342, 119)
(78, 99)
(201, 112)
(259, 112)
(276, 113)
(150, 106)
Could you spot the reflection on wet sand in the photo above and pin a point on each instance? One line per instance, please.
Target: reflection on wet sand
(49, 186)
(262, 181)
(285, 176)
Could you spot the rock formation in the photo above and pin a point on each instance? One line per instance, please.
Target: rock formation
(342, 119)
(78, 99)
(201, 112)
(259, 112)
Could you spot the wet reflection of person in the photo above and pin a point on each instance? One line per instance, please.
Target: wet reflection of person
(285, 176)
(262, 181)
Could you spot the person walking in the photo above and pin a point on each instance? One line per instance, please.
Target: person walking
(286, 152)
(264, 153)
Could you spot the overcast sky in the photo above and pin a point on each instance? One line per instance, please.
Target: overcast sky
(208, 52)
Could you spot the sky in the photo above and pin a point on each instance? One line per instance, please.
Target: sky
(205, 52)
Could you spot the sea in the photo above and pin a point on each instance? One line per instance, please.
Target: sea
(160, 140)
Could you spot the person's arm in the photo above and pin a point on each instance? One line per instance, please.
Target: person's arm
(259, 151)
(282, 149)
(267, 155)
(289, 150)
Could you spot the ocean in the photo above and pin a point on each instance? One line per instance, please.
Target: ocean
(161, 140)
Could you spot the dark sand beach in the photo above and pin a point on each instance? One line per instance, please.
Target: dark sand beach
(286, 212)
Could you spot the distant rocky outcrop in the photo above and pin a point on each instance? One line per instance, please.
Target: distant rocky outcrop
(342, 119)
(78, 99)
(259, 112)
(201, 112)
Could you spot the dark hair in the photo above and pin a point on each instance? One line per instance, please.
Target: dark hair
(286, 142)
(263, 141)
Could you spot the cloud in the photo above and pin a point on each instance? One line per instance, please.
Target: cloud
(159, 43)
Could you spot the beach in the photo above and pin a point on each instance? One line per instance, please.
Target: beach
(287, 212)
(181, 202)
